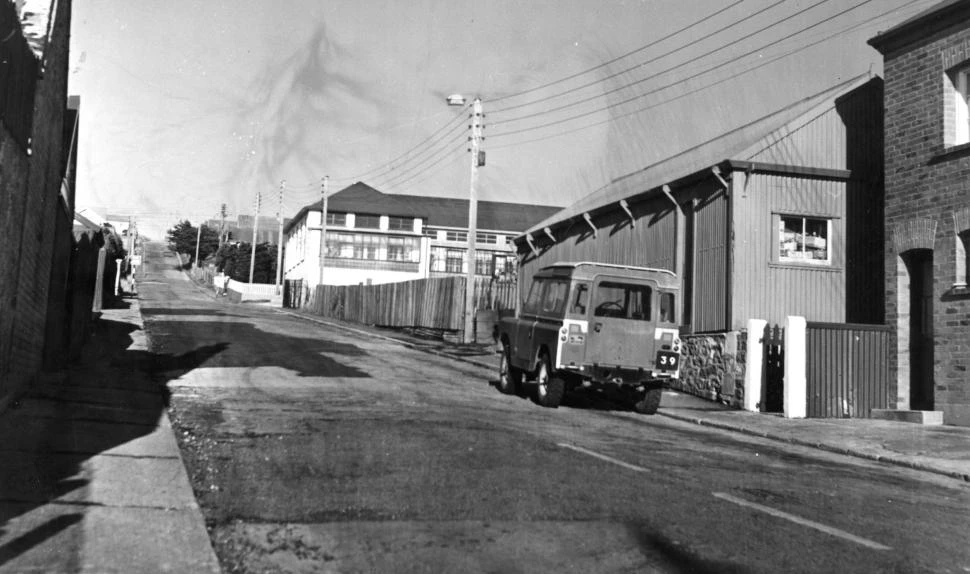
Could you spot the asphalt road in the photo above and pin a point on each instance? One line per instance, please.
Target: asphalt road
(318, 449)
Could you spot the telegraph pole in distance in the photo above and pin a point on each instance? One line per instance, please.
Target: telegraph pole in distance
(252, 256)
(323, 225)
(198, 240)
(279, 246)
(477, 161)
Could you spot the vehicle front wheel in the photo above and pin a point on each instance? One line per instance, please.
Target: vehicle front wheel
(549, 389)
(508, 376)
(648, 402)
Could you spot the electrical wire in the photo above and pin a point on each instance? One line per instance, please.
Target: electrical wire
(616, 59)
(641, 64)
(396, 177)
(704, 87)
(690, 61)
(669, 85)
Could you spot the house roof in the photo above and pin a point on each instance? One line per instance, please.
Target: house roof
(739, 144)
(435, 211)
(926, 23)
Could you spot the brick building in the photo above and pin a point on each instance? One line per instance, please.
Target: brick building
(927, 154)
(36, 130)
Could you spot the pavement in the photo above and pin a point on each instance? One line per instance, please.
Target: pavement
(93, 479)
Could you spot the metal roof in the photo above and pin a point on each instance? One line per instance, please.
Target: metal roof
(435, 211)
(739, 144)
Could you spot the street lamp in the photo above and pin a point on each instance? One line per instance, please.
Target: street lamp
(477, 161)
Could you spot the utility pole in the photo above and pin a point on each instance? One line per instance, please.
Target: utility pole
(279, 242)
(252, 256)
(477, 161)
(222, 228)
(323, 225)
(198, 240)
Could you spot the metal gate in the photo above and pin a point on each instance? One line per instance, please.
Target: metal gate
(847, 369)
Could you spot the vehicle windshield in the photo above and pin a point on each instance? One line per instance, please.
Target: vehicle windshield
(622, 301)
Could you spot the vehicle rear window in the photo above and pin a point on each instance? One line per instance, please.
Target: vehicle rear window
(667, 308)
(531, 304)
(554, 297)
(623, 301)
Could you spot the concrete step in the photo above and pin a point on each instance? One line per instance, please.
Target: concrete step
(918, 417)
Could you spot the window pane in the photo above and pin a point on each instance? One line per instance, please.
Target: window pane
(368, 221)
(337, 219)
(531, 304)
(667, 308)
(580, 299)
(456, 236)
(454, 261)
(400, 223)
(623, 300)
(803, 239)
(554, 298)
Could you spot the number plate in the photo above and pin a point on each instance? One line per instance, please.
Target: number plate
(667, 361)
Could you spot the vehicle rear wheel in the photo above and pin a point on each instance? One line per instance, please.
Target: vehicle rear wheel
(508, 376)
(549, 389)
(648, 402)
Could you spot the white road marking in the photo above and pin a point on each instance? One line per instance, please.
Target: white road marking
(604, 457)
(802, 521)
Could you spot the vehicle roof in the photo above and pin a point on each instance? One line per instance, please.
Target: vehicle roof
(589, 270)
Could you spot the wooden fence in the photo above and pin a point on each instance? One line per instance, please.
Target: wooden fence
(434, 303)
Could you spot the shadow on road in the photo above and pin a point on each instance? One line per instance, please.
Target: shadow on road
(677, 558)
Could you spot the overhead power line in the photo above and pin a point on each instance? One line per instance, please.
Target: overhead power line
(689, 61)
(616, 59)
(705, 86)
(666, 86)
(644, 63)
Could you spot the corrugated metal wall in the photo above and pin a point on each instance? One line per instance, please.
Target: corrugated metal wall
(769, 290)
(847, 370)
(650, 242)
(710, 267)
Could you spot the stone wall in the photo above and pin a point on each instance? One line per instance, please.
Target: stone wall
(713, 367)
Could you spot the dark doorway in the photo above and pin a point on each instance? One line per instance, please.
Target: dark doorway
(920, 265)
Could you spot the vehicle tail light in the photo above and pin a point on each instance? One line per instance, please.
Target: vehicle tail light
(576, 335)
(667, 341)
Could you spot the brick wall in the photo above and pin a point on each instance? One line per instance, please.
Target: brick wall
(927, 179)
(29, 190)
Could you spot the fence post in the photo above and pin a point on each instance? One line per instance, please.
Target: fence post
(754, 364)
(795, 395)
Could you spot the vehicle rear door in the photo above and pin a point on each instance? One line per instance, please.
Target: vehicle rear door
(622, 322)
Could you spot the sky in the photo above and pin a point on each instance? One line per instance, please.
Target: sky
(187, 105)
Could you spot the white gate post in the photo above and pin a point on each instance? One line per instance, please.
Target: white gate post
(754, 363)
(795, 397)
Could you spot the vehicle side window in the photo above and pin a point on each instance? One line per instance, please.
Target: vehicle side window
(623, 300)
(531, 305)
(580, 299)
(667, 308)
(554, 297)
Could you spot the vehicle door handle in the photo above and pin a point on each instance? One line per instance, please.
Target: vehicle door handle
(597, 327)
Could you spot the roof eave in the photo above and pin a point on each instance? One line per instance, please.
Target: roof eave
(922, 25)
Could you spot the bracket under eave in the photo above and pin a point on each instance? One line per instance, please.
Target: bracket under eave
(717, 173)
(532, 243)
(549, 234)
(670, 195)
(625, 207)
(589, 221)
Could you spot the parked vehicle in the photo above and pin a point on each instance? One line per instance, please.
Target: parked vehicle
(586, 324)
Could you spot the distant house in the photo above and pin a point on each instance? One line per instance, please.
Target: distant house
(779, 217)
(374, 238)
(927, 66)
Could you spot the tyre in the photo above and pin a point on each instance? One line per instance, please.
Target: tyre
(549, 389)
(648, 402)
(508, 376)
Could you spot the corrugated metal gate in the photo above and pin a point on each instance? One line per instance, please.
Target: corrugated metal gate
(847, 369)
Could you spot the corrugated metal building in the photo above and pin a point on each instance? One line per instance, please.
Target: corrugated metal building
(782, 216)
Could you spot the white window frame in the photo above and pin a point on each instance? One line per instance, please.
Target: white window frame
(960, 94)
(779, 240)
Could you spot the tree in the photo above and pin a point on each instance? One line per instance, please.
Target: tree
(183, 236)
(233, 260)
